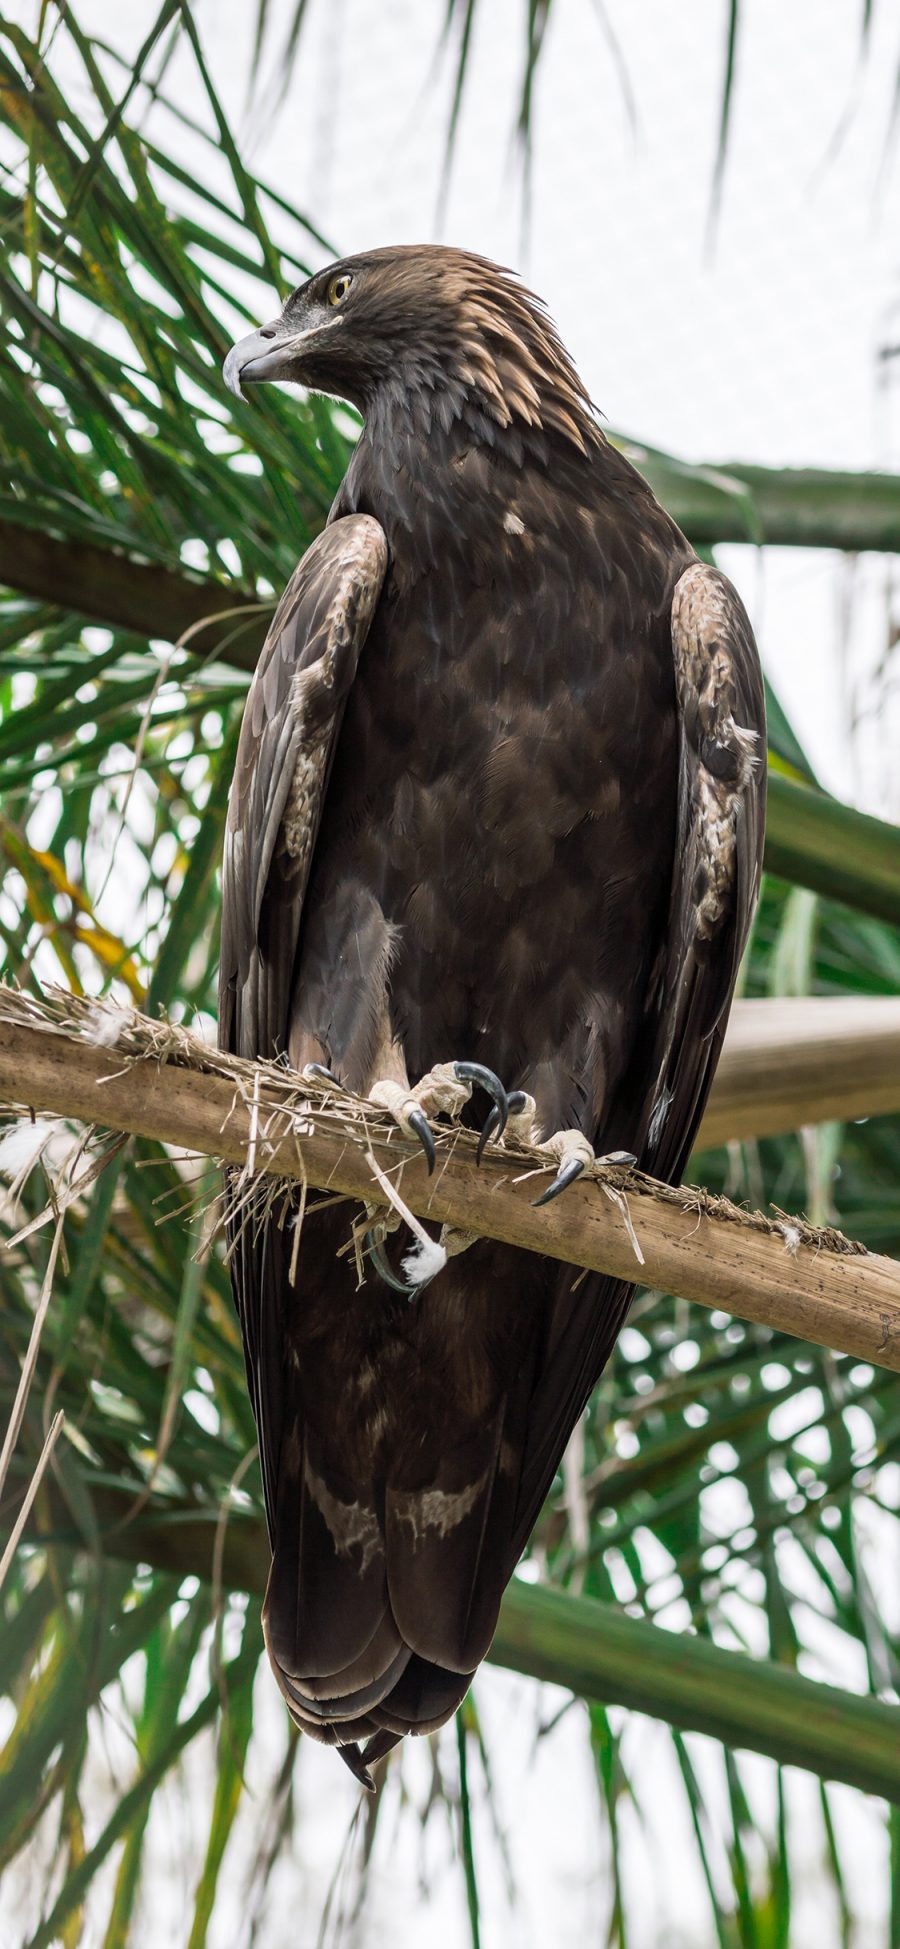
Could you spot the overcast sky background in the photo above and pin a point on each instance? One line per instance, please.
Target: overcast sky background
(761, 345)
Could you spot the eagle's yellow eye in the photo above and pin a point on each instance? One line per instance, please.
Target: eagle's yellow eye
(338, 288)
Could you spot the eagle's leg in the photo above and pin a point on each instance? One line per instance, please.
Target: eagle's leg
(444, 1091)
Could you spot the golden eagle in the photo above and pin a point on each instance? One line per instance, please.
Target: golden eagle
(497, 821)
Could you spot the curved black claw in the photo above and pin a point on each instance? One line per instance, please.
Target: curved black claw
(515, 1104)
(375, 1251)
(418, 1122)
(564, 1177)
(475, 1072)
(487, 1131)
(322, 1075)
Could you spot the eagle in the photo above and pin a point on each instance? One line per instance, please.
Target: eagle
(492, 850)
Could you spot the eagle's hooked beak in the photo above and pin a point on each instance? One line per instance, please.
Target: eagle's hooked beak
(266, 354)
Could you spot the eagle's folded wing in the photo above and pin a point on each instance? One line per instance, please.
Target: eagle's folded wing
(291, 721)
(718, 852)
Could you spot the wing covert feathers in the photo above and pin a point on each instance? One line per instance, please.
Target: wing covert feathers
(291, 721)
(718, 853)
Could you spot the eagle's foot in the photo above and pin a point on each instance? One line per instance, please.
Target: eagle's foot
(519, 1122)
(572, 1149)
(375, 1250)
(403, 1105)
(476, 1076)
(399, 1101)
(455, 1239)
(575, 1154)
(375, 1247)
(443, 1092)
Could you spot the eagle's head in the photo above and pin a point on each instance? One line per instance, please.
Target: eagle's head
(421, 324)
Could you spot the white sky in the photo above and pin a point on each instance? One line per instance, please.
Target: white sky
(763, 348)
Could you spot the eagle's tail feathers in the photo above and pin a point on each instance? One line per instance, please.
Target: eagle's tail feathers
(326, 1616)
(443, 1548)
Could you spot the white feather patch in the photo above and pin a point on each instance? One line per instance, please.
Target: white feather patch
(21, 1146)
(427, 1258)
(424, 1262)
(105, 1026)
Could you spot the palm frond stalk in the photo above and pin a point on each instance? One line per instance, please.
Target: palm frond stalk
(785, 507)
(153, 1081)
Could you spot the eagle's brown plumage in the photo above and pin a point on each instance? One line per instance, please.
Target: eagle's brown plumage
(499, 797)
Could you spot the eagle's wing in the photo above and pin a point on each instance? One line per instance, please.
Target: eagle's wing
(292, 717)
(718, 854)
(718, 862)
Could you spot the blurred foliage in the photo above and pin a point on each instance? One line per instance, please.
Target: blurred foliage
(730, 1480)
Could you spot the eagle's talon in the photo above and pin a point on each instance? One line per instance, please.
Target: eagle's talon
(475, 1072)
(418, 1122)
(374, 1250)
(517, 1103)
(487, 1131)
(565, 1176)
(319, 1074)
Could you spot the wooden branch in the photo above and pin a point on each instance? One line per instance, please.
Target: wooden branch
(160, 1082)
(804, 1060)
(595, 1650)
